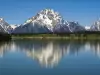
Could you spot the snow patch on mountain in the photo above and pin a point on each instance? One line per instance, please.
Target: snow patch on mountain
(87, 28)
(13, 26)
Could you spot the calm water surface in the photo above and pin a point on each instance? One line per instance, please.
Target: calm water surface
(38, 57)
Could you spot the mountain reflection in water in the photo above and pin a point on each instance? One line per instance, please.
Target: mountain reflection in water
(49, 53)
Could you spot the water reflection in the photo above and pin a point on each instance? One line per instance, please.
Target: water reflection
(49, 53)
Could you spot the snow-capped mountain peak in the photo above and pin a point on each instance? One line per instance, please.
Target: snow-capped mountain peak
(4, 26)
(45, 11)
(47, 21)
(46, 17)
(96, 25)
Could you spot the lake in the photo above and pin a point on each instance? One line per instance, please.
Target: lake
(49, 57)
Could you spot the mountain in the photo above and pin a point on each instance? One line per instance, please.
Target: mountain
(96, 26)
(69, 27)
(48, 21)
(4, 26)
(43, 22)
(75, 27)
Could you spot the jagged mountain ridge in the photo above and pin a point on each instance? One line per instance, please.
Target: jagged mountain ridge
(47, 21)
(4, 26)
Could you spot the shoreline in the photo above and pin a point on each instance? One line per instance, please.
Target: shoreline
(56, 38)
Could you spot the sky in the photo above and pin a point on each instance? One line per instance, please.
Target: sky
(18, 11)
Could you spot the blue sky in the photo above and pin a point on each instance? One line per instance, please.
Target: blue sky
(83, 11)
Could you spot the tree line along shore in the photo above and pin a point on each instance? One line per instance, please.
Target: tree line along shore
(76, 35)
